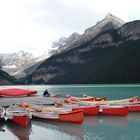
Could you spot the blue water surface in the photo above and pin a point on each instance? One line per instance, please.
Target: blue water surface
(93, 128)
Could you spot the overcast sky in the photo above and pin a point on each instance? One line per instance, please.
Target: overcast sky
(32, 25)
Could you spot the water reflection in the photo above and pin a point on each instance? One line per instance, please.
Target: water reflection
(93, 128)
(134, 116)
(20, 132)
(2, 125)
(92, 120)
(107, 120)
(112, 128)
(73, 131)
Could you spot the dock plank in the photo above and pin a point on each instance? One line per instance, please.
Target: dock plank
(7, 101)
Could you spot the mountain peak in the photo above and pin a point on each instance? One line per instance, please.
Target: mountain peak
(109, 15)
(109, 22)
(110, 18)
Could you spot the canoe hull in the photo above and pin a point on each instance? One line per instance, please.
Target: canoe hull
(15, 92)
(91, 110)
(21, 120)
(56, 114)
(18, 115)
(86, 98)
(134, 108)
(72, 117)
(87, 110)
(56, 96)
(114, 111)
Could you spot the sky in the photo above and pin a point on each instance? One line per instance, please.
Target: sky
(32, 25)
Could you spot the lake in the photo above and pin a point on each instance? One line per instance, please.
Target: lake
(93, 128)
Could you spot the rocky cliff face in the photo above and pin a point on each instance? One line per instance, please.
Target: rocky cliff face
(105, 53)
(110, 22)
(63, 43)
(130, 30)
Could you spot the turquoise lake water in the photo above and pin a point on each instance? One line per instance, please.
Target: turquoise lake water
(93, 128)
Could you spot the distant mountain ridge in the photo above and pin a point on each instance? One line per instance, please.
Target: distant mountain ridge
(11, 62)
(6, 79)
(105, 53)
(110, 22)
(19, 64)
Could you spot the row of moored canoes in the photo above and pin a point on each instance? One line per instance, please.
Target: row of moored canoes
(113, 107)
(72, 109)
(21, 114)
(102, 107)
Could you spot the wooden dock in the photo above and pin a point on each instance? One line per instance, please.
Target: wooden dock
(35, 99)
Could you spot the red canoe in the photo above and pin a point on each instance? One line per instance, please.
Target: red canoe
(73, 98)
(72, 117)
(95, 98)
(88, 110)
(86, 98)
(100, 99)
(113, 110)
(55, 114)
(18, 115)
(69, 101)
(57, 95)
(134, 108)
(16, 92)
(113, 102)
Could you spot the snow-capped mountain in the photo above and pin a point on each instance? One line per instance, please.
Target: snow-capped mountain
(105, 53)
(63, 43)
(17, 64)
(110, 22)
(11, 62)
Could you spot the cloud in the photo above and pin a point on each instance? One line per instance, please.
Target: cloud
(35, 24)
